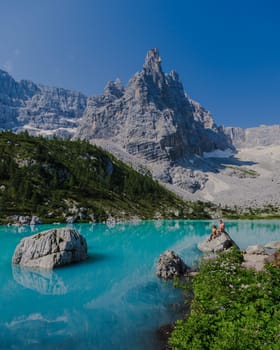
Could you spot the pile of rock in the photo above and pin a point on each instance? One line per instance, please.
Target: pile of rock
(170, 265)
(256, 256)
(24, 220)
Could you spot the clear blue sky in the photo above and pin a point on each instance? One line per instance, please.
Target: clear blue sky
(227, 53)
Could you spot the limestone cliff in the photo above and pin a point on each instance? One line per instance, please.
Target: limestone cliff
(154, 120)
(39, 109)
(264, 135)
(152, 117)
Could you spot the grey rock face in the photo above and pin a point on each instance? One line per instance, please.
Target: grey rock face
(152, 117)
(39, 109)
(170, 265)
(217, 244)
(52, 248)
(264, 135)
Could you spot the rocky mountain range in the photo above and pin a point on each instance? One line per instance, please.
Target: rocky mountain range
(151, 124)
(155, 121)
(264, 135)
(39, 109)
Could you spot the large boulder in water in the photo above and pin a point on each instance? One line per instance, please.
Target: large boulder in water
(52, 248)
(170, 265)
(217, 244)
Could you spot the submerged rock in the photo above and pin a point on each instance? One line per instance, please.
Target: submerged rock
(52, 248)
(170, 265)
(218, 244)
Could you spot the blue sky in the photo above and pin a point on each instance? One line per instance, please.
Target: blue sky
(227, 53)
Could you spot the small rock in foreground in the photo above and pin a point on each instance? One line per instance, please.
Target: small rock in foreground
(256, 249)
(254, 261)
(274, 259)
(52, 248)
(273, 245)
(170, 265)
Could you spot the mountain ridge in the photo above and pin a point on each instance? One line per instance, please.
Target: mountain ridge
(154, 120)
(37, 108)
(152, 124)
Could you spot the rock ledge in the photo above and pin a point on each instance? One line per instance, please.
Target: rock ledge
(218, 244)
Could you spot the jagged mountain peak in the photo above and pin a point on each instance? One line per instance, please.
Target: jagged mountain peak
(152, 86)
(152, 73)
(173, 75)
(152, 61)
(114, 88)
(154, 120)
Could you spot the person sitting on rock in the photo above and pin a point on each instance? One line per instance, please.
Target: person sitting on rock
(221, 227)
(214, 233)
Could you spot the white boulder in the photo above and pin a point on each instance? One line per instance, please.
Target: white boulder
(52, 248)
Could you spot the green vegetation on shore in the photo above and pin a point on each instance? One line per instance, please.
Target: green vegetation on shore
(268, 212)
(233, 308)
(49, 178)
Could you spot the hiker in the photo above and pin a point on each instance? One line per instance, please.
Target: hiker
(221, 228)
(214, 233)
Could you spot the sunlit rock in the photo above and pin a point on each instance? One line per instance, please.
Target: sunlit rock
(52, 248)
(218, 244)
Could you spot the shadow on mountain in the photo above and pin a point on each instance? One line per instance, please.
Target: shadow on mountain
(216, 165)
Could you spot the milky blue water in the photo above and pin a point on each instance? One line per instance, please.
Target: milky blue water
(112, 301)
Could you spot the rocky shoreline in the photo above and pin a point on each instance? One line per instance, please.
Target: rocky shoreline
(171, 266)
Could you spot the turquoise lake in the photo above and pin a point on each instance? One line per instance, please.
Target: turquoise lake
(112, 301)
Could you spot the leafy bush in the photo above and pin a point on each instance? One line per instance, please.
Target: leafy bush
(232, 309)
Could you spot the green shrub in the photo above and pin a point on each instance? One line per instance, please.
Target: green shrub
(232, 309)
